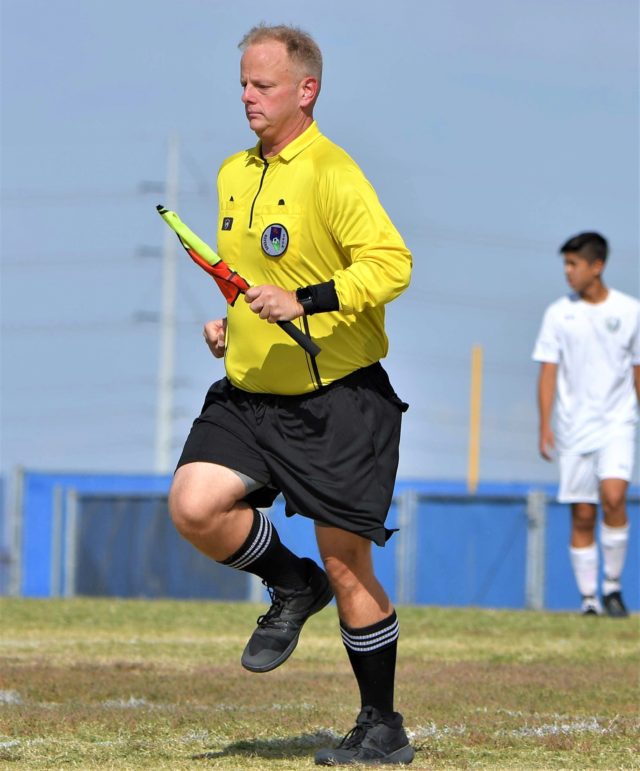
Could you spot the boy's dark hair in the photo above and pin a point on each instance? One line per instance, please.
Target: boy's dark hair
(590, 246)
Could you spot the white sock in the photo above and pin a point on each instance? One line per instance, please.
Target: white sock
(584, 561)
(614, 542)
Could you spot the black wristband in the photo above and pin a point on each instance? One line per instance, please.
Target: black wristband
(325, 297)
(318, 298)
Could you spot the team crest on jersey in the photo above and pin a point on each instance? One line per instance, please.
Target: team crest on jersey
(227, 223)
(275, 240)
(612, 323)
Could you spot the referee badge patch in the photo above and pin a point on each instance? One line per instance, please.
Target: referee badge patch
(275, 240)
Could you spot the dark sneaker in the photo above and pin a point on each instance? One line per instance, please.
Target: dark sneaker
(591, 606)
(276, 635)
(614, 605)
(371, 742)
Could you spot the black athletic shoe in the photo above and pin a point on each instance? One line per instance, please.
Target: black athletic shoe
(276, 635)
(614, 606)
(371, 742)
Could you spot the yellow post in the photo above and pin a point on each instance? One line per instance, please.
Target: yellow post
(473, 470)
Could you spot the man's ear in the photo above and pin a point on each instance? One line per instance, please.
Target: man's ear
(309, 88)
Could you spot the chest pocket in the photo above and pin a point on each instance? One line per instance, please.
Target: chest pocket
(232, 219)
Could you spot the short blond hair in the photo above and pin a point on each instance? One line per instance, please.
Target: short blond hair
(301, 47)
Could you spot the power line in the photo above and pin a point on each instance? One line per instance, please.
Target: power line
(33, 198)
(89, 327)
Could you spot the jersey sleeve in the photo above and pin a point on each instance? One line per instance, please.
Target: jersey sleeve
(547, 345)
(380, 264)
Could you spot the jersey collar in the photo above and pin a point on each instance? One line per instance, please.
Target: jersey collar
(294, 148)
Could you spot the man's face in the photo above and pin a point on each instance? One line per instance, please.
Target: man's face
(270, 92)
(581, 273)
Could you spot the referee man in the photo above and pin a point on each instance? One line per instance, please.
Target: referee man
(297, 215)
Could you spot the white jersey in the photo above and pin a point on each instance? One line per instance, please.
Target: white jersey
(595, 346)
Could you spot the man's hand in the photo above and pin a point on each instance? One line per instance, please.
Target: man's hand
(273, 303)
(547, 443)
(214, 334)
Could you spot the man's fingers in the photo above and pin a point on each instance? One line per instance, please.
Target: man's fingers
(546, 451)
(271, 303)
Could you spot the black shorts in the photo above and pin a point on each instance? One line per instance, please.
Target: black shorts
(333, 453)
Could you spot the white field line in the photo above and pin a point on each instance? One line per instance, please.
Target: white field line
(588, 725)
(13, 698)
(432, 731)
(11, 743)
(550, 724)
(10, 697)
(331, 736)
(555, 724)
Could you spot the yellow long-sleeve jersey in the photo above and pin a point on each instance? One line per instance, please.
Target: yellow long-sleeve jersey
(306, 216)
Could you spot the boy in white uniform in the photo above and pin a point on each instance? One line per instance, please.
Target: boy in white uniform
(589, 349)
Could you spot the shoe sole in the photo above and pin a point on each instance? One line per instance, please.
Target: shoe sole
(404, 755)
(324, 599)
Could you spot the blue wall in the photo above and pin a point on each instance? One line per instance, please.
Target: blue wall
(38, 495)
(470, 550)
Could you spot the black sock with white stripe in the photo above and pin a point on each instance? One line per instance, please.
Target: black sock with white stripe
(372, 653)
(264, 555)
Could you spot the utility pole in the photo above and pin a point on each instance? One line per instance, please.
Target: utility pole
(164, 415)
(473, 469)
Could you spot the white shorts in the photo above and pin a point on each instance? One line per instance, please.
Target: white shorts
(580, 475)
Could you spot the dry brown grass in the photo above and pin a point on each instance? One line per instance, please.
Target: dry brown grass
(107, 684)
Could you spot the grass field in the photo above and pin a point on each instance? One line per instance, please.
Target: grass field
(112, 684)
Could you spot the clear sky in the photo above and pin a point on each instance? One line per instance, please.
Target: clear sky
(491, 130)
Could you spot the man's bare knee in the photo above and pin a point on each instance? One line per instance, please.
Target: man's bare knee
(189, 514)
(342, 576)
(583, 516)
(614, 505)
(347, 560)
(201, 495)
(613, 493)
